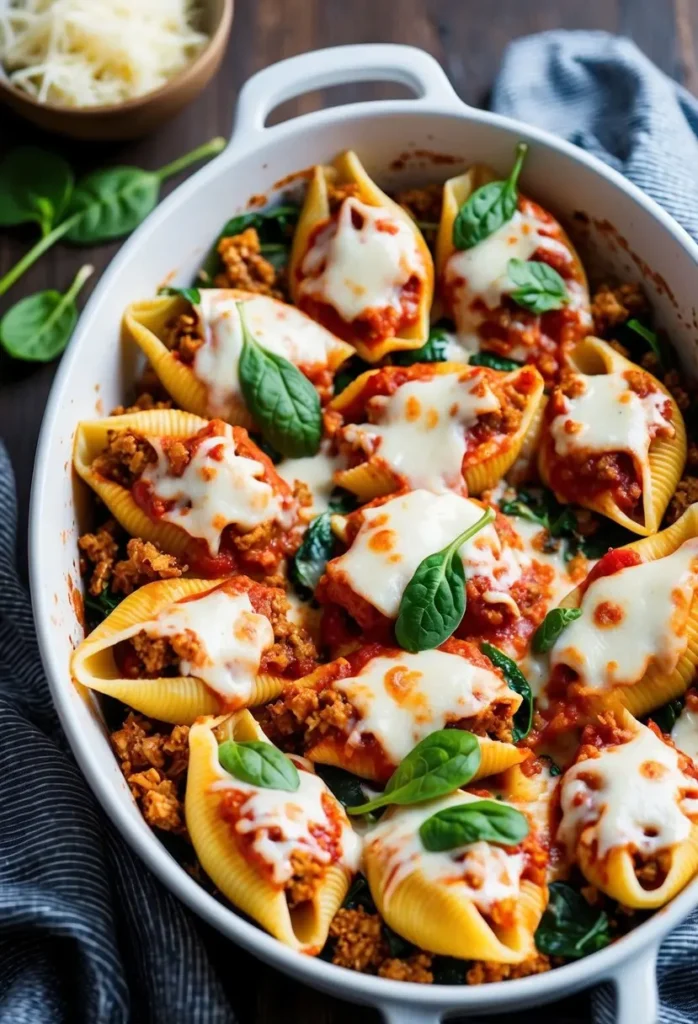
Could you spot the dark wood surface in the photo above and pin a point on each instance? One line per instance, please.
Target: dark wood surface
(468, 37)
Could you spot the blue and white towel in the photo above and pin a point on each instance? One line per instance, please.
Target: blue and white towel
(87, 934)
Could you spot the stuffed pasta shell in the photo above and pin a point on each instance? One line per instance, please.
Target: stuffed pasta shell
(441, 426)
(359, 264)
(201, 490)
(283, 856)
(613, 439)
(195, 348)
(178, 649)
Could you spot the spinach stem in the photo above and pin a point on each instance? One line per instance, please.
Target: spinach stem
(82, 275)
(35, 252)
(208, 149)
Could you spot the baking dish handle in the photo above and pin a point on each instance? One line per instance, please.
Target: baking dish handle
(337, 65)
(637, 999)
(401, 1013)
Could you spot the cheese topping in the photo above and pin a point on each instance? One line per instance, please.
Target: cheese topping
(217, 488)
(685, 732)
(395, 537)
(421, 429)
(276, 326)
(316, 472)
(403, 699)
(362, 261)
(284, 823)
(477, 873)
(608, 417)
(630, 619)
(633, 794)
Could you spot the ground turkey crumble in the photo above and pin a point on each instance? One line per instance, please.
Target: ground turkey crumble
(423, 205)
(183, 336)
(155, 767)
(245, 267)
(145, 402)
(144, 561)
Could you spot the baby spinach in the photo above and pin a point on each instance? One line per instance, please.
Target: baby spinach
(359, 895)
(312, 556)
(516, 681)
(38, 328)
(283, 403)
(98, 607)
(259, 764)
(665, 717)
(554, 769)
(494, 362)
(346, 787)
(537, 287)
(489, 207)
(487, 820)
(552, 626)
(519, 507)
(192, 295)
(570, 927)
(434, 350)
(447, 970)
(35, 185)
(433, 602)
(274, 227)
(441, 763)
(348, 372)
(647, 335)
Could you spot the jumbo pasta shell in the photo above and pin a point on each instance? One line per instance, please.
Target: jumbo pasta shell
(176, 699)
(666, 458)
(304, 928)
(348, 169)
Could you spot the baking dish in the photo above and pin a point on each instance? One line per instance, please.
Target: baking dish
(401, 141)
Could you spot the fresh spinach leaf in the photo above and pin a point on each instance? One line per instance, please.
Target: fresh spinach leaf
(99, 607)
(489, 207)
(259, 764)
(552, 767)
(647, 335)
(537, 287)
(434, 350)
(447, 970)
(433, 602)
(359, 895)
(312, 556)
(494, 362)
(275, 230)
(348, 372)
(487, 820)
(35, 185)
(518, 507)
(516, 681)
(38, 328)
(192, 295)
(570, 927)
(345, 786)
(441, 763)
(552, 626)
(282, 401)
(665, 717)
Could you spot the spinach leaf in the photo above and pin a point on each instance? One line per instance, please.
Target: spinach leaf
(283, 403)
(447, 970)
(516, 681)
(489, 820)
(192, 295)
(489, 207)
(494, 362)
(38, 328)
(552, 626)
(433, 602)
(35, 185)
(359, 895)
(552, 767)
(518, 507)
(99, 607)
(665, 717)
(348, 372)
(345, 786)
(434, 350)
(274, 227)
(312, 556)
(570, 927)
(441, 763)
(260, 764)
(538, 288)
(647, 335)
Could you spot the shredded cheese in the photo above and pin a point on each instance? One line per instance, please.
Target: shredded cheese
(87, 53)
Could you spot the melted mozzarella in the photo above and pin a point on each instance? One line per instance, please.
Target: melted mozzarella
(630, 619)
(638, 797)
(477, 873)
(276, 326)
(402, 699)
(685, 732)
(362, 267)
(395, 537)
(214, 490)
(421, 430)
(317, 472)
(232, 636)
(608, 417)
(282, 823)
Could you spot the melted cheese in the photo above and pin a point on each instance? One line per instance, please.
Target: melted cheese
(685, 732)
(282, 823)
(276, 326)
(477, 873)
(400, 700)
(232, 636)
(316, 472)
(630, 619)
(358, 268)
(395, 537)
(214, 492)
(421, 428)
(638, 797)
(608, 417)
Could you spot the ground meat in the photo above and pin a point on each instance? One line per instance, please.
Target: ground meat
(292, 643)
(336, 194)
(151, 656)
(145, 562)
(358, 939)
(144, 403)
(303, 715)
(307, 873)
(686, 493)
(245, 267)
(423, 204)
(483, 971)
(674, 382)
(613, 306)
(155, 767)
(124, 458)
(651, 871)
(416, 967)
(98, 552)
(183, 336)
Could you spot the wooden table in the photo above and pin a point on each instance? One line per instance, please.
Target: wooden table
(468, 37)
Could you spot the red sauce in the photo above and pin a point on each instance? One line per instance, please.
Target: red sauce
(612, 562)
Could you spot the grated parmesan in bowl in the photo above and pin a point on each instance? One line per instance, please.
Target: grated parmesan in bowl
(91, 53)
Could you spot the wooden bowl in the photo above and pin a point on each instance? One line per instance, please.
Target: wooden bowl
(137, 117)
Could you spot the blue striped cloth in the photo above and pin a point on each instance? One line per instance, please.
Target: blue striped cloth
(86, 933)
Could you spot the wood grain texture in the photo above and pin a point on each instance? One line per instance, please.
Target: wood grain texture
(468, 37)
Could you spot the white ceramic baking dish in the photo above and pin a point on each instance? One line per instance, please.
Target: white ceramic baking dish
(628, 233)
